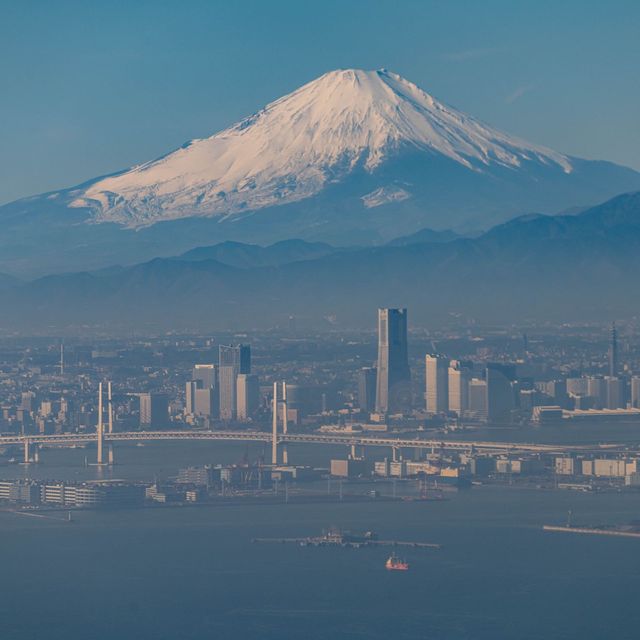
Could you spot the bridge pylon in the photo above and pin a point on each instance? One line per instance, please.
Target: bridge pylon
(285, 423)
(100, 430)
(276, 405)
(274, 426)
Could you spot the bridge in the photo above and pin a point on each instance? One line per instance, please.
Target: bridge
(279, 439)
(32, 443)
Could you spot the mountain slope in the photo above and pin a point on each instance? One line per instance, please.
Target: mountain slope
(237, 254)
(569, 268)
(423, 236)
(353, 157)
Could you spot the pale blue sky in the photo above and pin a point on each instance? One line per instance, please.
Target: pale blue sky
(87, 88)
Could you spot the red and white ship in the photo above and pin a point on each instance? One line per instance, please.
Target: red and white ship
(395, 564)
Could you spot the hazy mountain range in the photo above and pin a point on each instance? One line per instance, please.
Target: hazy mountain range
(351, 158)
(568, 267)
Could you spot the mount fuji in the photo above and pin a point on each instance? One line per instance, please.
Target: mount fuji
(353, 157)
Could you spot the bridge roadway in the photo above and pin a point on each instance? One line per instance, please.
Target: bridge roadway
(350, 440)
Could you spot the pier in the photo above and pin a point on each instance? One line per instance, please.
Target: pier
(347, 540)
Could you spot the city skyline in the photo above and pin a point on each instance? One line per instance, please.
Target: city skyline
(319, 320)
(329, 453)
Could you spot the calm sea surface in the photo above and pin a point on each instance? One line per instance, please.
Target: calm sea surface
(194, 573)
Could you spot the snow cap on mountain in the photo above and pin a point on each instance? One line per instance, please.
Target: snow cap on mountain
(344, 121)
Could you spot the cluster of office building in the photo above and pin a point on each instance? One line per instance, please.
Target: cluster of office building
(452, 386)
(226, 391)
(497, 392)
(45, 416)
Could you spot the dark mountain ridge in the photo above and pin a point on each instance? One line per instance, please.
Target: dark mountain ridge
(535, 267)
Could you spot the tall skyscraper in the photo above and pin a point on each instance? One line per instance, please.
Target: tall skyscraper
(190, 397)
(205, 374)
(613, 352)
(201, 401)
(437, 383)
(635, 392)
(614, 392)
(154, 410)
(459, 377)
(597, 391)
(500, 392)
(238, 356)
(202, 393)
(247, 395)
(227, 375)
(478, 398)
(207, 403)
(28, 400)
(393, 388)
(557, 391)
(367, 389)
(232, 361)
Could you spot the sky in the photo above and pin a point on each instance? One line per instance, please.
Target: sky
(89, 88)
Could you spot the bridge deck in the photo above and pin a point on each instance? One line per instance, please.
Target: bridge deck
(335, 439)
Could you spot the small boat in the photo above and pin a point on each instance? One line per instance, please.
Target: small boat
(395, 564)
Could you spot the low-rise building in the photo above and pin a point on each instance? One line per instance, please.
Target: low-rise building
(349, 468)
(567, 467)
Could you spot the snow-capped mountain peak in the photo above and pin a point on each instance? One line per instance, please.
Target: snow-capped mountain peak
(344, 121)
